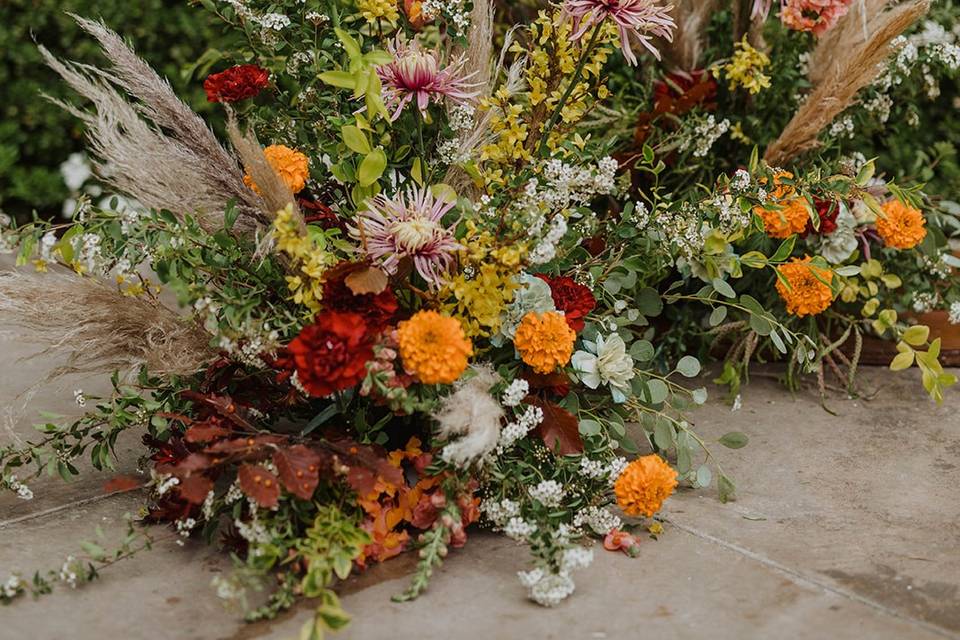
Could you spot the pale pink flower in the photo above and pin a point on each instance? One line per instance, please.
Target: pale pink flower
(643, 19)
(417, 73)
(409, 226)
(816, 16)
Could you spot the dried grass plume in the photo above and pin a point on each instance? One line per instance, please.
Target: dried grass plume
(850, 71)
(154, 149)
(96, 329)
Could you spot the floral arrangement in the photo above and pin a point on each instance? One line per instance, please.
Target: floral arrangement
(448, 273)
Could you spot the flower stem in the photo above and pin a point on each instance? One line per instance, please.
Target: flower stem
(555, 116)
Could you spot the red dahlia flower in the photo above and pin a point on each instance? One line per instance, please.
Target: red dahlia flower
(331, 354)
(575, 300)
(377, 310)
(236, 83)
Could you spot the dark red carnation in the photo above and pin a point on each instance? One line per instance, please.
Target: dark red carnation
(378, 310)
(575, 300)
(236, 83)
(331, 354)
(828, 211)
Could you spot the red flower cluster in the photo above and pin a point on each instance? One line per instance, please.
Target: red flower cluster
(331, 354)
(680, 91)
(828, 212)
(236, 83)
(378, 310)
(575, 300)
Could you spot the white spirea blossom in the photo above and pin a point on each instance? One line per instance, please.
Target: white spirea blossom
(599, 520)
(552, 589)
(549, 493)
(11, 587)
(516, 430)
(500, 511)
(576, 558)
(954, 316)
(519, 529)
(514, 394)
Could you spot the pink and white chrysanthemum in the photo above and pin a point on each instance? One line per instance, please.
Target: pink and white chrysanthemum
(409, 226)
(416, 73)
(643, 19)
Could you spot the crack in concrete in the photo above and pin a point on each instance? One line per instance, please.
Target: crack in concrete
(802, 579)
(64, 507)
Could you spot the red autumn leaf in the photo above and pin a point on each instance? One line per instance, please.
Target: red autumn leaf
(245, 445)
(560, 429)
(361, 480)
(193, 462)
(299, 469)
(259, 484)
(205, 432)
(122, 483)
(367, 280)
(194, 488)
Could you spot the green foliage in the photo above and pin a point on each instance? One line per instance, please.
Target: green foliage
(35, 135)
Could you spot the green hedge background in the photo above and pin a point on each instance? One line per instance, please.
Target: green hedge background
(35, 135)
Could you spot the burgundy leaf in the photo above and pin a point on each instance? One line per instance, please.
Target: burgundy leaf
(259, 484)
(205, 432)
(299, 469)
(194, 488)
(560, 429)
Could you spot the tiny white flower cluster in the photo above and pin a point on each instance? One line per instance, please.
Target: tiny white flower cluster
(728, 213)
(184, 527)
(316, 17)
(253, 532)
(616, 467)
(547, 589)
(576, 558)
(851, 165)
(89, 252)
(741, 180)
(164, 482)
(227, 589)
(23, 491)
(46, 245)
(546, 249)
(499, 512)
(253, 343)
(924, 301)
(880, 106)
(11, 587)
(938, 268)
(954, 316)
(454, 9)
(549, 493)
(79, 398)
(516, 430)
(207, 508)
(683, 229)
(599, 520)
(514, 394)
(640, 216)
(234, 494)
(274, 21)
(519, 529)
(705, 133)
(68, 572)
(842, 127)
(453, 150)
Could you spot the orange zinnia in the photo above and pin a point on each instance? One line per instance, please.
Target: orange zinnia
(902, 227)
(644, 485)
(545, 341)
(291, 165)
(433, 347)
(808, 293)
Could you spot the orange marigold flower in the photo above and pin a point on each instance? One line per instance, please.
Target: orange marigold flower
(903, 226)
(644, 485)
(808, 294)
(434, 347)
(545, 341)
(789, 218)
(291, 165)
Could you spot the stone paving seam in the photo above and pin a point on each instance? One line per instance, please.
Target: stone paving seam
(63, 507)
(805, 580)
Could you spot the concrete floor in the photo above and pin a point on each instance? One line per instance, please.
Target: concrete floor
(846, 526)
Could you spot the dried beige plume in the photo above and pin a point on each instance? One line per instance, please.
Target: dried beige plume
(155, 150)
(471, 415)
(692, 18)
(275, 193)
(848, 73)
(96, 328)
(851, 30)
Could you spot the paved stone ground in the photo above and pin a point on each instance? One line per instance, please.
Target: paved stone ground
(846, 527)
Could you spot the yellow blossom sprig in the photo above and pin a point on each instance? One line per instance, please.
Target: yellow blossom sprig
(309, 260)
(745, 69)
